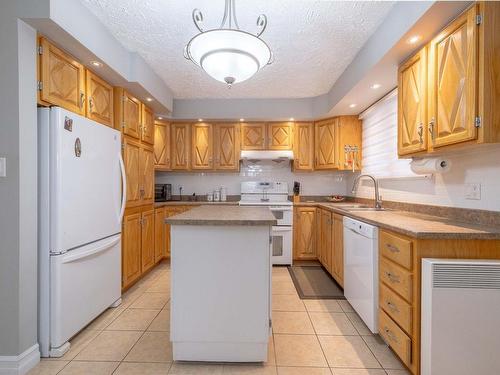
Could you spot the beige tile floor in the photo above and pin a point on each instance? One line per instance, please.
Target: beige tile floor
(310, 337)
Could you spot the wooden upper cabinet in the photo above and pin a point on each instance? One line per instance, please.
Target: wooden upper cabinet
(127, 113)
(412, 104)
(253, 136)
(131, 248)
(99, 99)
(348, 140)
(227, 147)
(162, 145)
(325, 144)
(132, 161)
(453, 82)
(303, 146)
(62, 78)
(147, 240)
(202, 146)
(147, 175)
(304, 233)
(180, 146)
(147, 125)
(280, 135)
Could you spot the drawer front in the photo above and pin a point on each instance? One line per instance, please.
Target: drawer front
(396, 307)
(395, 337)
(397, 278)
(396, 248)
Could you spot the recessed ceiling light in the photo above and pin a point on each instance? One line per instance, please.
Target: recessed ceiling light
(200, 120)
(414, 39)
(149, 99)
(96, 63)
(352, 105)
(376, 86)
(160, 118)
(292, 119)
(242, 119)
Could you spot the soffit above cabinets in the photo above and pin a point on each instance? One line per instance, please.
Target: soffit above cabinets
(313, 41)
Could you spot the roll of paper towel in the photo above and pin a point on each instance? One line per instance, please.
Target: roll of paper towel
(431, 165)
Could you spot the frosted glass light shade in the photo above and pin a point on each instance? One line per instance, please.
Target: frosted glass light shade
(229, 56)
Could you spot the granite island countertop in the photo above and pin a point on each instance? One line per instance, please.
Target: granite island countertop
(224, 215)
(412, 224)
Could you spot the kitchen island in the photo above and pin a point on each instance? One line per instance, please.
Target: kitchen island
(221, 284)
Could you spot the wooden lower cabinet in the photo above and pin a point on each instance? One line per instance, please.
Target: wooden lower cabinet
(318, 234)
(304, 233)
(139, 242)
(171, 211)
(131, 248)
(400, 279)
(160, 242)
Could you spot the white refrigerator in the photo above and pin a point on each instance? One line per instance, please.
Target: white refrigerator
(81, 204)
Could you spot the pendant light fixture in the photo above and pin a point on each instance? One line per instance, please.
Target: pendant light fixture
(228, 54)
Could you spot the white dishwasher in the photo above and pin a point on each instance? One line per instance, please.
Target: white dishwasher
(361, 270)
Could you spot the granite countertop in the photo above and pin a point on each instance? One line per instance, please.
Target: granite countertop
(195, 203)
(415, 225)
(224, 215)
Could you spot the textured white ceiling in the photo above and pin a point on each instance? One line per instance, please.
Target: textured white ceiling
(312, 41)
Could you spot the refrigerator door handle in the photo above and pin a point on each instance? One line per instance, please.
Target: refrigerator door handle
(124, 187)
(106, 245)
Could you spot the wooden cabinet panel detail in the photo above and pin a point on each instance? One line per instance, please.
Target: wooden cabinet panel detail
(326, 239)
(62, 78)
(160, 244)
(131, 249)
(202, 146)
(412, 104)
(147, 240)
(337, 268)
(227, 147)
(147, 124)
(147, 175)
(253, 136)
(132, 160)
(180, 146)
(304, 146)
(127, 113)
(99, 99)
(325, 144)
(162, 146)
(305, 233)
(453, 81)
(280, 136)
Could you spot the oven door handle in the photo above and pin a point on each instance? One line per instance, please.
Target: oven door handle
(282, 229)
(281, 208)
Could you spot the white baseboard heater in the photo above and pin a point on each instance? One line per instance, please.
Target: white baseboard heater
(460, 317)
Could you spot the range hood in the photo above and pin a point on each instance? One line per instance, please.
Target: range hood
(275, 155)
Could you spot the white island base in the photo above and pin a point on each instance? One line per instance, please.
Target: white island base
(221, 292)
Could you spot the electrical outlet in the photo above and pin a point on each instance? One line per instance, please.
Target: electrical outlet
(3, 167)
(473, 191)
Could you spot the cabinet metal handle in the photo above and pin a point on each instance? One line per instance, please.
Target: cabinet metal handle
(82, 98)
(91, 104)
(392, 248)
(391, 335)
(421, 133)
(392, 278)
(392, 306)
(431, 127)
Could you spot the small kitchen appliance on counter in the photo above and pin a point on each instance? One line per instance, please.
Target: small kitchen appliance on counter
(163, 192)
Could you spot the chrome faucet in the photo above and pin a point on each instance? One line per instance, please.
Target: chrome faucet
(378, 201)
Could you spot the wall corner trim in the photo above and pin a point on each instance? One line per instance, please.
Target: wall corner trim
(20, 364)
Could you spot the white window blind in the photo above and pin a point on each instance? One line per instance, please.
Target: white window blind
(380, 140)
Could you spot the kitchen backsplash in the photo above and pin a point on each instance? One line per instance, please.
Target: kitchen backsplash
(316, 183)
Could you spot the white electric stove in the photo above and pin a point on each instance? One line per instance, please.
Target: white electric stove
(273, 194)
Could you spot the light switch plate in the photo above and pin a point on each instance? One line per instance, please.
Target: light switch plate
(473, 191)
(3, 167)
